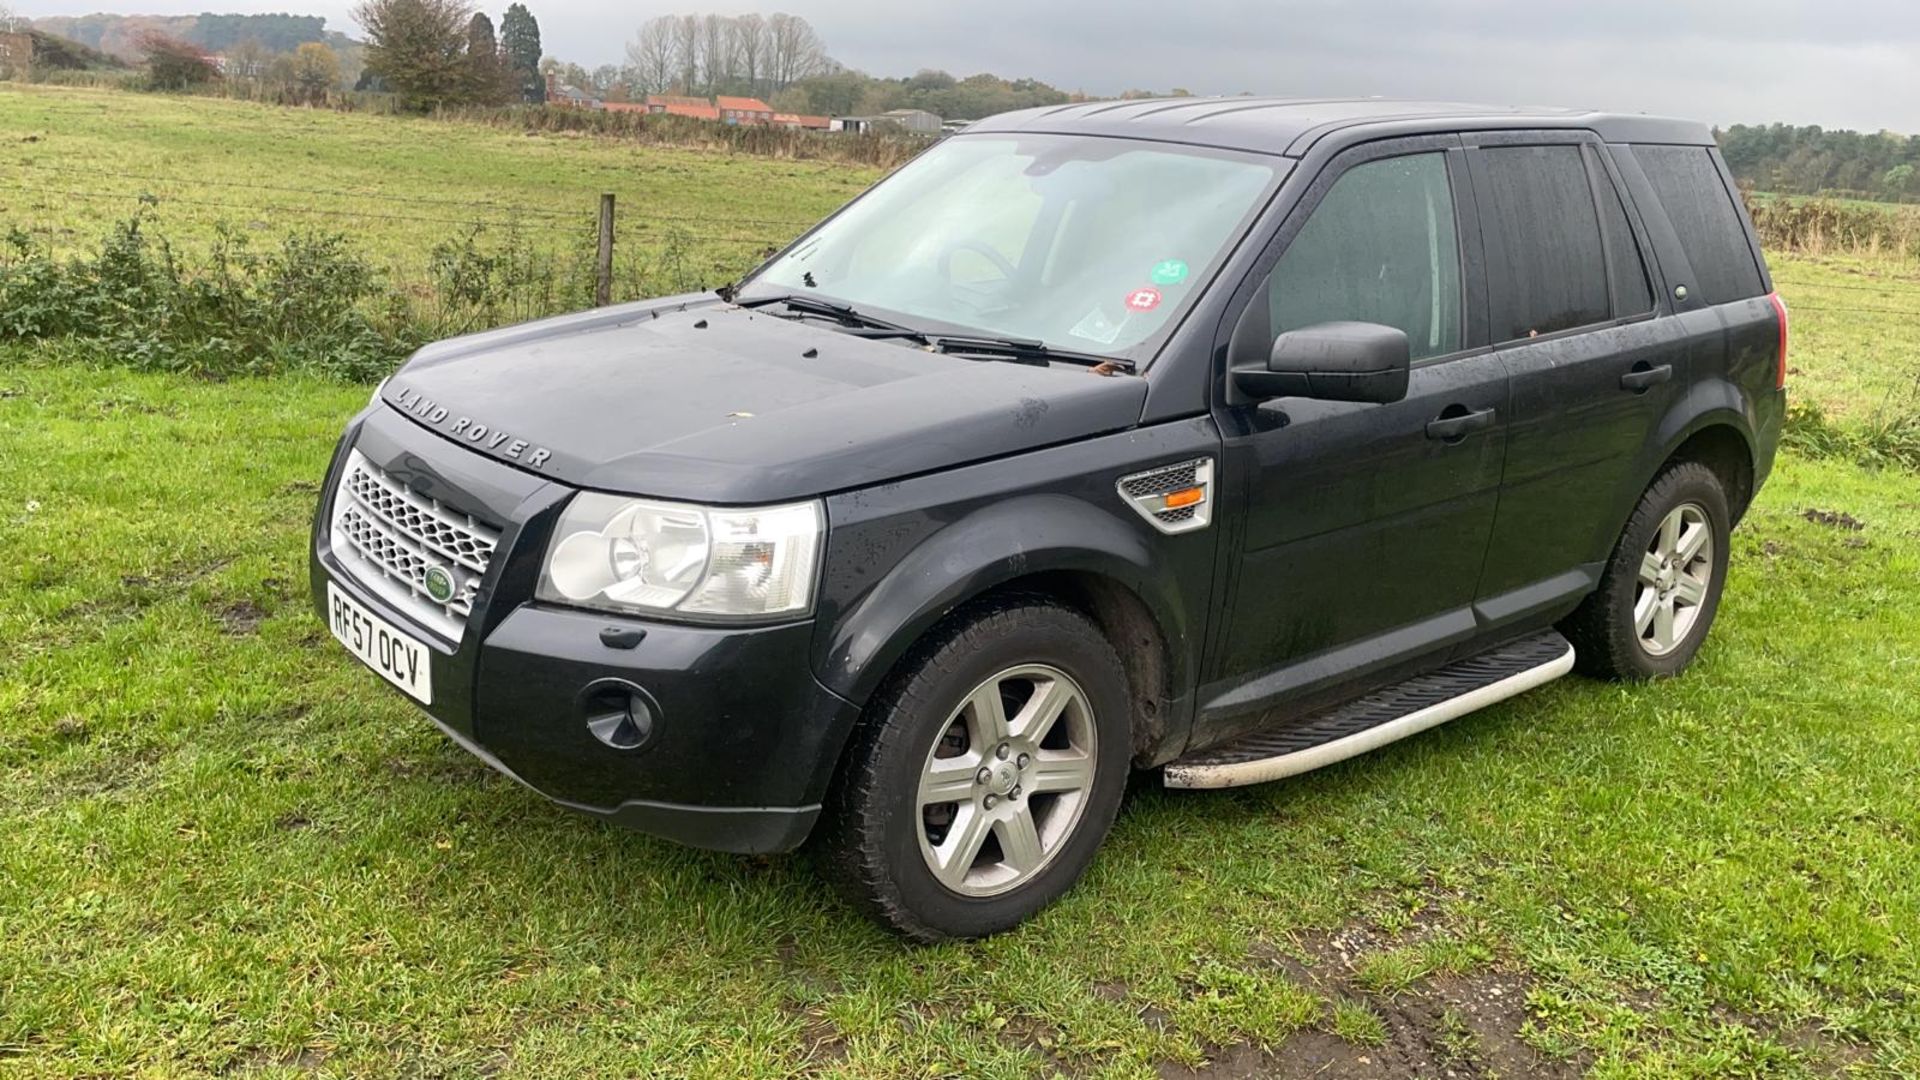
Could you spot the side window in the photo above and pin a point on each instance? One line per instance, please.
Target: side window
(1627, 270)
(1548, 240)
(1702, 211)
(1381, 247)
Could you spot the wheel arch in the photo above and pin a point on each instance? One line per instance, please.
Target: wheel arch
(1057, 549)
(1726, 449)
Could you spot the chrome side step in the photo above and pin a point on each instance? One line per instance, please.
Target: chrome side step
(1377, 719)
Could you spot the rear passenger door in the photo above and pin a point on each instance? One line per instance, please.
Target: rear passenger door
(1571, 306)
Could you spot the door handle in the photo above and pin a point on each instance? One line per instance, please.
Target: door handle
(1641, 377)
(1460, 425)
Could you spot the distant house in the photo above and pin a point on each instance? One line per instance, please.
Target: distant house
(917, 121)
(805, 123)
(743, 110)
(672, 105)
(572, 97)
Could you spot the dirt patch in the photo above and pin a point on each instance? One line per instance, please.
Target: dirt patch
(299, 487)
(175, 579)
(1838, 519)
(1465, 1025)
(242, 618)
(1242, 1061)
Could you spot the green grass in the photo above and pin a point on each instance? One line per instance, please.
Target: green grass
(1855, 346)
(75, 160)
(228, 846)
(228, 849)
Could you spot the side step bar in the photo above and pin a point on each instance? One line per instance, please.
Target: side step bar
(1377, 719)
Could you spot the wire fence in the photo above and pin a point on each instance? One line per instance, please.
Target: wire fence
(573, 232)
(480, 211)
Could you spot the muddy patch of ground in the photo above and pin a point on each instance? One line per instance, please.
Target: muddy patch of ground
(1838, 519)
(1445, 1024)
(241, 618)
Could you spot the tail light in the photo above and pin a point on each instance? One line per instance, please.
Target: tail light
(1780, 309)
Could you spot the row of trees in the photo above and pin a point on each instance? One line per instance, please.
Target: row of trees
(853, 93)
(751, 54)
(782, 59)
(435, 53)
(306, 75)
(1813, 160)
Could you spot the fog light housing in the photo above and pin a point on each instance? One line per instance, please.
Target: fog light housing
(619, 714)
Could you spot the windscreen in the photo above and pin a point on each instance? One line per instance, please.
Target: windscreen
(1087, 244)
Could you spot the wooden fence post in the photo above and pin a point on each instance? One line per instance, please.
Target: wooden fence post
(603, 263)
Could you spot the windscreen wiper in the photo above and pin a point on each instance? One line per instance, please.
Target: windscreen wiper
(1027, 349)
(845, 314)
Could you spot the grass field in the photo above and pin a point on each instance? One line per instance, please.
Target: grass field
(75, 161)
(230, 850)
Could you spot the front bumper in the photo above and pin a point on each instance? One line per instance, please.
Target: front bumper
(743, 740)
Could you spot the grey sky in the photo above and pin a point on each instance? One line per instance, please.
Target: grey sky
(1838, 63)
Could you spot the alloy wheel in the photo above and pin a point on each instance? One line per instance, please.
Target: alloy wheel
(1675, 571)
(1007, 780)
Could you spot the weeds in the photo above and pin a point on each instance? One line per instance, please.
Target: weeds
(310, 303)
(1884, 437)
(1823, 226)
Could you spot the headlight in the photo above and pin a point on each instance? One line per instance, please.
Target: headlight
(637, 555)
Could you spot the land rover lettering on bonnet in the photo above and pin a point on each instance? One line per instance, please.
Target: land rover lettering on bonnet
(492, 440)
(1219, 438)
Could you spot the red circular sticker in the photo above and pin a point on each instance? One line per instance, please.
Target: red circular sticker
(1143, 299)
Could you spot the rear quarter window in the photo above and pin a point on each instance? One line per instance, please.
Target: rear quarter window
(1547, 235)
(1704, 217)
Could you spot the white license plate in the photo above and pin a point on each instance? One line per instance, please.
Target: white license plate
(401, 659)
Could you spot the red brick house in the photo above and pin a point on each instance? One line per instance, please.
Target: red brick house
(743, 110)
(672, 105)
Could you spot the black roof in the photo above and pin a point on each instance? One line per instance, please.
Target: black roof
(1290, 126)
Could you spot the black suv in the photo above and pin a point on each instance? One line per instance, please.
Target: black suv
(1225, 437)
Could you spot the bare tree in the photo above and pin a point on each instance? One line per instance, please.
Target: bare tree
(716, 53)
(653, 57)
(686, 50)
(750, 50)
(794, 50)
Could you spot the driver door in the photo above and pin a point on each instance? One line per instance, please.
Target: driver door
(1363, 527)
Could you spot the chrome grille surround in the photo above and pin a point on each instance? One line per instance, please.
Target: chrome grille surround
(1147, 493)
(388, 537)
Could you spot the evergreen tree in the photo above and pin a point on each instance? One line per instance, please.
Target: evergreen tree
(487, 82)
(419, 48)
(520, 41)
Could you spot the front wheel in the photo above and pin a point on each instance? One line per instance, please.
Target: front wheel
(1661, 588)
(985, 777)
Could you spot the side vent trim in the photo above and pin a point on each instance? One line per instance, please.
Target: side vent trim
(1175, 498)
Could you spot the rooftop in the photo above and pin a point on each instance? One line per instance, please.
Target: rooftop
(1290, 126)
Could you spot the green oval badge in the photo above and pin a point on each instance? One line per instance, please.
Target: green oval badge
(439, 584)
(1169, 272)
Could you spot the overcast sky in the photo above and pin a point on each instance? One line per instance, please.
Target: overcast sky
(1838, 63)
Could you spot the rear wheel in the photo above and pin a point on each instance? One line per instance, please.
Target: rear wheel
(986, 776)
(1661, 588)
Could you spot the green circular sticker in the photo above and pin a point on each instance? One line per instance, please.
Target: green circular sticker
(1169, 272)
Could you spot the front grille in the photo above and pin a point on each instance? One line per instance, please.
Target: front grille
(391, 538)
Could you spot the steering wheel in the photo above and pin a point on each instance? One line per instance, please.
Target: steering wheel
(978, 247)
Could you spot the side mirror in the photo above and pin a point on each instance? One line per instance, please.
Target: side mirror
(1335, 361)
